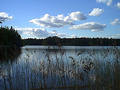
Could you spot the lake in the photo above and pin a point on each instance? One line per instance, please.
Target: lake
(65, 67)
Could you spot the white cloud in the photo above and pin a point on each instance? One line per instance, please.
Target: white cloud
(107, 2)
(93, 26)
(4, 16)
(96, 12)
(116, 22)
(59, 20)
(39, 33)
(32, 32)
(116, 36)
(76, 16)
(118, 4)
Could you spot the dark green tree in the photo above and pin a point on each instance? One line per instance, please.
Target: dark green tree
(9, 37)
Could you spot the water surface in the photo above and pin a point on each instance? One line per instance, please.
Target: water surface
(66, 67)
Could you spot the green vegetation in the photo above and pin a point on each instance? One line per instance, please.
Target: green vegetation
(73, 41)
(9, 37)
(10, 41)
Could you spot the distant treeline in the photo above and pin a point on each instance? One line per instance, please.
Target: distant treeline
(73, 41)
(9, 37)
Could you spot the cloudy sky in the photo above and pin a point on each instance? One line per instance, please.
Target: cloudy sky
(63, 18)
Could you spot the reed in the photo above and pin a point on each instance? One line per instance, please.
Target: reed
(64, 69)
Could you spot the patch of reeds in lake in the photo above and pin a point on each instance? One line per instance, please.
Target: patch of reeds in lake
(64, 69)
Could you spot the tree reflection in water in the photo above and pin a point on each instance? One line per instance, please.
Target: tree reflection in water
(9, 53)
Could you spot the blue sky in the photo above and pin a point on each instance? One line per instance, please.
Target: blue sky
(63, 18)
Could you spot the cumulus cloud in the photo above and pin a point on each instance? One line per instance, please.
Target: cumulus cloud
(96, 12)
(118, 4)
(93, 26)
(107, 2)
(32, 32)
(4, 16)
(59, 20)
(76, 16)
(116, 22)
(39, 33)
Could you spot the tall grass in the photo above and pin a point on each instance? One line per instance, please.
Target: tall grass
(84, 69)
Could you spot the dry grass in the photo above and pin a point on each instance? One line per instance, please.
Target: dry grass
(68, 70)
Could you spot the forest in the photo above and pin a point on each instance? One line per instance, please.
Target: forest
(9, 37)
(10, 43)
(73, 41)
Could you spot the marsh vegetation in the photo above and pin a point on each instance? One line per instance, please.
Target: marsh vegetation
(84, 68)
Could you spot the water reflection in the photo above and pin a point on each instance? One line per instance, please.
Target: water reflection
(63, 69)
(9, 53)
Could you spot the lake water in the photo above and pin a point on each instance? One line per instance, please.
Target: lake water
(66, 67)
